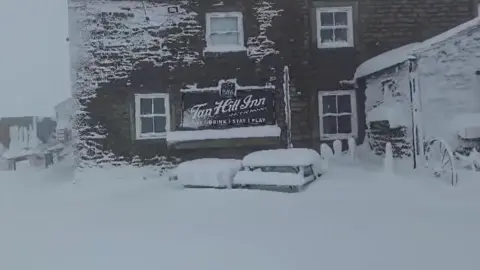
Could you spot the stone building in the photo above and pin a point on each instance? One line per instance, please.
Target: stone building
(444, 86)
(206, 78)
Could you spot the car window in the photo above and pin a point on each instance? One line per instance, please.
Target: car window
(308, 171)
(280, 169)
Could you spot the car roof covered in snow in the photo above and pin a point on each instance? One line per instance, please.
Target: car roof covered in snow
(401, 54)
(282, 157)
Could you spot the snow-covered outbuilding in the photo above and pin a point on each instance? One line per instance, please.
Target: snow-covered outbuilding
(432, 87)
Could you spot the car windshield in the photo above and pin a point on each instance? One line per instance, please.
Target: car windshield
(280, 169)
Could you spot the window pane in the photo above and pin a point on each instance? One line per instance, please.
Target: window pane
(329, 104)
(146, 124)
(341, 18)
(160, 124)
(326, 35)
(345, 124)
(145, 106)
(224, 24)
(326, 19)
(341, 34)
(344, 104)
(308, 171)
(330, 125)
(225, 39)
(159, 106)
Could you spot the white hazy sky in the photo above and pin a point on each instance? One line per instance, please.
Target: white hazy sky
(34, 62)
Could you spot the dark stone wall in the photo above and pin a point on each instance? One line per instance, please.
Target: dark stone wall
(124, 53)
(108, 119)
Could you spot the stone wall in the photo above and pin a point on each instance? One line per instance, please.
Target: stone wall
(380, 25)
(122, 48)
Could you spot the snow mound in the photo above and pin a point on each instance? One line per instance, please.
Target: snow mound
(207, 172)
(282, 157)
(393, 113)
(467, 126)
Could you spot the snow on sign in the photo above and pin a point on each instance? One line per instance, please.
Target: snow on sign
(232, 108)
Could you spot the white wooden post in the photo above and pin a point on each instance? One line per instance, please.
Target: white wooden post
(288, 110)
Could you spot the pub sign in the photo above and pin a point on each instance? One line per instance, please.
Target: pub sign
(226, 109)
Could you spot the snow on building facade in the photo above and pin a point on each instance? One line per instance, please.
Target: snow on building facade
(447, 73)
(340, 36)
(179, 78)
(205, 77)
(64, 113)
(21, 137)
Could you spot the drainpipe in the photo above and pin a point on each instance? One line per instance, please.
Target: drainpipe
(288, 110)
(416, 102)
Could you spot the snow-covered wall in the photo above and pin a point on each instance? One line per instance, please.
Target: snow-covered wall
(119, 48)
(448, 81)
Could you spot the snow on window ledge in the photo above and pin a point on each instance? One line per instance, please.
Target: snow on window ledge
(335, 45)
(231, 133)
(224, 49)
(151, 136)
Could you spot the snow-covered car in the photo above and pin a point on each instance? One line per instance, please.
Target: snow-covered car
(292, 168)
(206, 172)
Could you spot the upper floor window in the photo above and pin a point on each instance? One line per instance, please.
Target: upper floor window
(334, 27)
(224, 31)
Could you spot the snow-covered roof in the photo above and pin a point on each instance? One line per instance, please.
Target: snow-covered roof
(401, 54)
(282, 157)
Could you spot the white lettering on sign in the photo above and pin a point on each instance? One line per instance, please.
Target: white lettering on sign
(228, 106)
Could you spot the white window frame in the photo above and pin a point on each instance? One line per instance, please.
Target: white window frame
(350, 27)
(354, 122)
(224, 48)
(138, 124)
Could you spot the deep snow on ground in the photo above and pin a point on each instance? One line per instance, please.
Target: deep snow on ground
(350, 219)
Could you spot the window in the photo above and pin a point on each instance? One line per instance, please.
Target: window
(478, 9)
(337, 114)
(152, 116)
(224, 31)
(334, 27)
(308, 171)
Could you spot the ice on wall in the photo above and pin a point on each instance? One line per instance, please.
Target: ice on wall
(261, 46)
(449, 85)
(109, 38)
(23, 140)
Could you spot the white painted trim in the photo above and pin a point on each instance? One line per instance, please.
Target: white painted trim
(354, 122)
(138, 128)
(350, 27)
(208, 31)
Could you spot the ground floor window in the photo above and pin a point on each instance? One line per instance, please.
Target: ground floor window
(337, 113)
(152, 116)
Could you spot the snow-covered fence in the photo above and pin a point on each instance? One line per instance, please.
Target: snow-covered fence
(337, 154)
